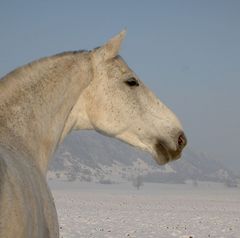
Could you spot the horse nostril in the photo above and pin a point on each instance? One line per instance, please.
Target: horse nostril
(182, 141)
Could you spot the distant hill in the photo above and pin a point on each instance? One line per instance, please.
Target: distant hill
(88, 156)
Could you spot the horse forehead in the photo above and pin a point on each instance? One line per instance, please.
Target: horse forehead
(119, 64)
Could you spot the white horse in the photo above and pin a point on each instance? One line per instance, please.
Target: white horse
(40, 103)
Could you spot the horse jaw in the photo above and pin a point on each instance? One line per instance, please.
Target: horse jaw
(161, 153)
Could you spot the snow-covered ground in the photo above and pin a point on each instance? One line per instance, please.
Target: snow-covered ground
(161, 211)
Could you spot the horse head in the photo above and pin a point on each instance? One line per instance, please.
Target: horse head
(117, 103)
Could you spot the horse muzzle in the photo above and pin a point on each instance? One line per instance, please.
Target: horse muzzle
(164, 153)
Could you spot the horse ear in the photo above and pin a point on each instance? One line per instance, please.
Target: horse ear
(111, 48)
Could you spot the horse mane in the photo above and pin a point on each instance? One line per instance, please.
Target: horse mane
(28, 66)
(64, 53)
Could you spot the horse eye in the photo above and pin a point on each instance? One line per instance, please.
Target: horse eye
(132, 82)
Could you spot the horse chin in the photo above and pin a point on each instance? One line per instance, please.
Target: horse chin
(161, 159)
(162, 155)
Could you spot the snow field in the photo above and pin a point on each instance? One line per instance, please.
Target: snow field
(164, 211)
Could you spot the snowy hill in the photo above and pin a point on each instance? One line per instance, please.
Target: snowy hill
(88, 156)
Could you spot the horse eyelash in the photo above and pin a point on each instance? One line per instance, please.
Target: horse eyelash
(132, 82)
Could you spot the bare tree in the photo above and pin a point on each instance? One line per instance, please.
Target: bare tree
(137, 182)
(230, 183)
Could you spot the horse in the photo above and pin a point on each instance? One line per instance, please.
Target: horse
(43, 101)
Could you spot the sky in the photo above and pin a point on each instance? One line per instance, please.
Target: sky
(187, 52)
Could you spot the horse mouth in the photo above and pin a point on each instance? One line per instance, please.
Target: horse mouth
(163, 154)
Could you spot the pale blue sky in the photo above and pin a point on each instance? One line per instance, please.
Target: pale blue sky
(187, 52)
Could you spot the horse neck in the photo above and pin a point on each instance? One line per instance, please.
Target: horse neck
(36, 101)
